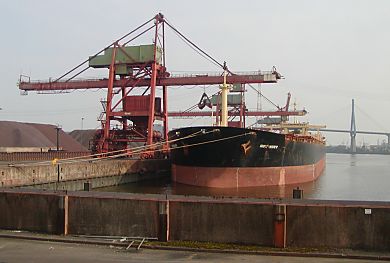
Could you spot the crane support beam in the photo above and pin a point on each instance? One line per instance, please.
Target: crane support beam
(270, 77)
(248, 114)
(360, 132)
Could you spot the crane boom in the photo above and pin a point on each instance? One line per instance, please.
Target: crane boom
(249, 113)
(243, 78)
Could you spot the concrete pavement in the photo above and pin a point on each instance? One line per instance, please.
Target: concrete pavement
(22, 250)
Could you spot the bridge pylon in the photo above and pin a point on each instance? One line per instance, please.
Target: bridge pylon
(352, 131)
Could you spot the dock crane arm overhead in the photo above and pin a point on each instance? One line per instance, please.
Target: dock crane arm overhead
(212, 79)
(130, 67)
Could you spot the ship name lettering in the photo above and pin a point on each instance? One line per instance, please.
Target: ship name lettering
(268, 146)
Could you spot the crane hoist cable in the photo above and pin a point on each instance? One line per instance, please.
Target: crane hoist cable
(194, 45)
(102, 50)
(261, 94)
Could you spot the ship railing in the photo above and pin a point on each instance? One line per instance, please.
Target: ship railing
(303, 138)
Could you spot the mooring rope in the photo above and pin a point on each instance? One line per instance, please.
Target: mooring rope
(135, 150)
(86, 158)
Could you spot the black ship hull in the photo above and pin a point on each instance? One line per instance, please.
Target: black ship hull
(231, 157)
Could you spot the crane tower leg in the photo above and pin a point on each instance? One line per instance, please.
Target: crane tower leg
(165, 112)
(111, 78)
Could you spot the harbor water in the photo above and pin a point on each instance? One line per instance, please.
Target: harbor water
(346, 177)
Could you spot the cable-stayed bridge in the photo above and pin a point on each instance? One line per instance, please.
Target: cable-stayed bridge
(353, 132)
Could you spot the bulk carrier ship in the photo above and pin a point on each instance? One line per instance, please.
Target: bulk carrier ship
(232, 157)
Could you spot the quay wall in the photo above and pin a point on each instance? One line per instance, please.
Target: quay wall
(113, 216)
(221, 222)
(28, 154)
(38, 212)
(360, 227)
(281, 223)
(71, 176)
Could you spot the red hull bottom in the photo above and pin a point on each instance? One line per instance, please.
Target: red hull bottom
(238, 177)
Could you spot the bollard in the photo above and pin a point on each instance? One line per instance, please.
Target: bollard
(87, 186)
(297, 193)
(163, 229)
(280, 226)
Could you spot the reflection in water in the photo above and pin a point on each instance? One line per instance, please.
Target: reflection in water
(352, 159)
(347, 177)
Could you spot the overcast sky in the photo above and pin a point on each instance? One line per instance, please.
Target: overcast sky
(329, 52)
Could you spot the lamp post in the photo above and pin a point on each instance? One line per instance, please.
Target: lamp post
(82, 123)
(58, 128)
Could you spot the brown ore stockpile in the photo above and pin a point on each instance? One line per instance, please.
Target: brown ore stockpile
(17, 134)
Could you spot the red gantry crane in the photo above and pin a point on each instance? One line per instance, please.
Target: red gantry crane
(237, 108)
(130, 67)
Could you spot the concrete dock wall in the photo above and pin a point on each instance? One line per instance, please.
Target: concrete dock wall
(113, 216)
(288, 223)
(32, 212)
(221, 222)
(71, 176)
(339, 226)
(17, 154)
